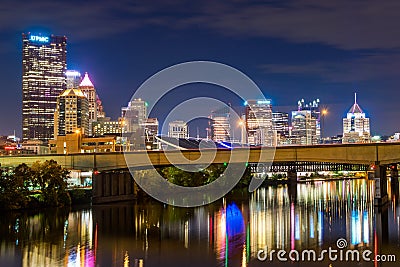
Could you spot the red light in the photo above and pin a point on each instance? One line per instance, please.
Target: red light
(96, 172)
(372, 167)
(392, 167)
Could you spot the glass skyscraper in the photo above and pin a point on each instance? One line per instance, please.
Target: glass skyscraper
(259, 122)
(43, 79)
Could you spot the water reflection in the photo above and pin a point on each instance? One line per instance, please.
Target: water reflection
(229, 232)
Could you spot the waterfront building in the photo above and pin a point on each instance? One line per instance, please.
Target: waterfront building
(77, 143)
(36, 146)
(280, 122)
(259, 123)
(43, 78)
(73, 79)
(356, 125)
(220, 124)
(178, 129)
(72, 112)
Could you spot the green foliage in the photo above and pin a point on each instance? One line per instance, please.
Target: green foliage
(12, 192)
(202, 177)
(48, 179)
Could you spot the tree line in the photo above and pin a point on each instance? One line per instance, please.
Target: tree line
(44, 184)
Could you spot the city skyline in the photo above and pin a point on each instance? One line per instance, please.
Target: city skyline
(331, 61)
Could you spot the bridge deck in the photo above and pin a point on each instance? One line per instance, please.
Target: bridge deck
(384, 153)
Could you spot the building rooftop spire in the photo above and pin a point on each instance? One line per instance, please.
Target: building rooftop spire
(355, 108)
(86, 81)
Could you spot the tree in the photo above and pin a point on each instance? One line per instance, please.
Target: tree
(51, 179)
(12, 194)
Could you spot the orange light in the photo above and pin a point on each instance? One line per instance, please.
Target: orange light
(372, 167)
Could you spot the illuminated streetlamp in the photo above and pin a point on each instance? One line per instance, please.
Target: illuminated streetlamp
(242, 124)
(324, 112)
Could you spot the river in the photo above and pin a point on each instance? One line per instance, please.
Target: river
(239, 230)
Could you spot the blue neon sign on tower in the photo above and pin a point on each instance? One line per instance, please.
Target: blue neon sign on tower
(39, 39)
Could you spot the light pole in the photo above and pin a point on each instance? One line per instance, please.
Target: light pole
(242, 131)
(324, 113)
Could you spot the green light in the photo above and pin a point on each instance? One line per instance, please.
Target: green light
(247, 164)
(225, 164)
(146, 103)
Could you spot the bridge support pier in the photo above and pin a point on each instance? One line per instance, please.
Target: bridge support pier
(113, 186)
(394, 174)
(292, 185)
(292, 176)
(381, 195)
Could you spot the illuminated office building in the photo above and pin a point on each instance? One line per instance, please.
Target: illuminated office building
(106, 126)
(43, 79)
(306, 126)
(356, 125)
(71, 114)
(259, 122)
(95, 105)
(220, 124)
(178, 129)
(135, 114)
(303, 128)
(73, 79)
(280, 122)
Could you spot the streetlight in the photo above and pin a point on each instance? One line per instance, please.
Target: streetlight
(242, 124)
(324, 112)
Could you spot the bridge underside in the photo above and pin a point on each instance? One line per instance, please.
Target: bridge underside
(307, 166)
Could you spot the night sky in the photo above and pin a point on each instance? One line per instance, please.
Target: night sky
(292, 49)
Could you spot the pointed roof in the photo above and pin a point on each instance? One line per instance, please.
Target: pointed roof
(72, 92)
(86, 81)
(355, 108)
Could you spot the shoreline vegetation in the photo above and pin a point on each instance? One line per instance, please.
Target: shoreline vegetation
(44, 185)
(29, 187)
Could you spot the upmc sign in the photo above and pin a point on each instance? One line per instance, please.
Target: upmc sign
(41, 39)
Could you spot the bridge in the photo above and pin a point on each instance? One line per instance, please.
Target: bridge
(114, 183)
(377, 153)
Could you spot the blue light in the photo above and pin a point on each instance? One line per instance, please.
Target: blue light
(263, 102)
(225, 145)
(39, 39)
(234, 220)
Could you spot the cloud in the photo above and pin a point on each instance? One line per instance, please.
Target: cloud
(364, 68)
(349, 25)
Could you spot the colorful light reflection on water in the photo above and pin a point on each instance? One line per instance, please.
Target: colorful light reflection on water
(226, 233)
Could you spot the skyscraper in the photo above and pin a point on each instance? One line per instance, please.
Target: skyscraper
(280, 121)
(135, 114)
(307, 127)
(259, 123)
(356, 125)
(72, 113)
(43, 79)
(220, 124)
(303, 128)
(95, 106)
(73, 79)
